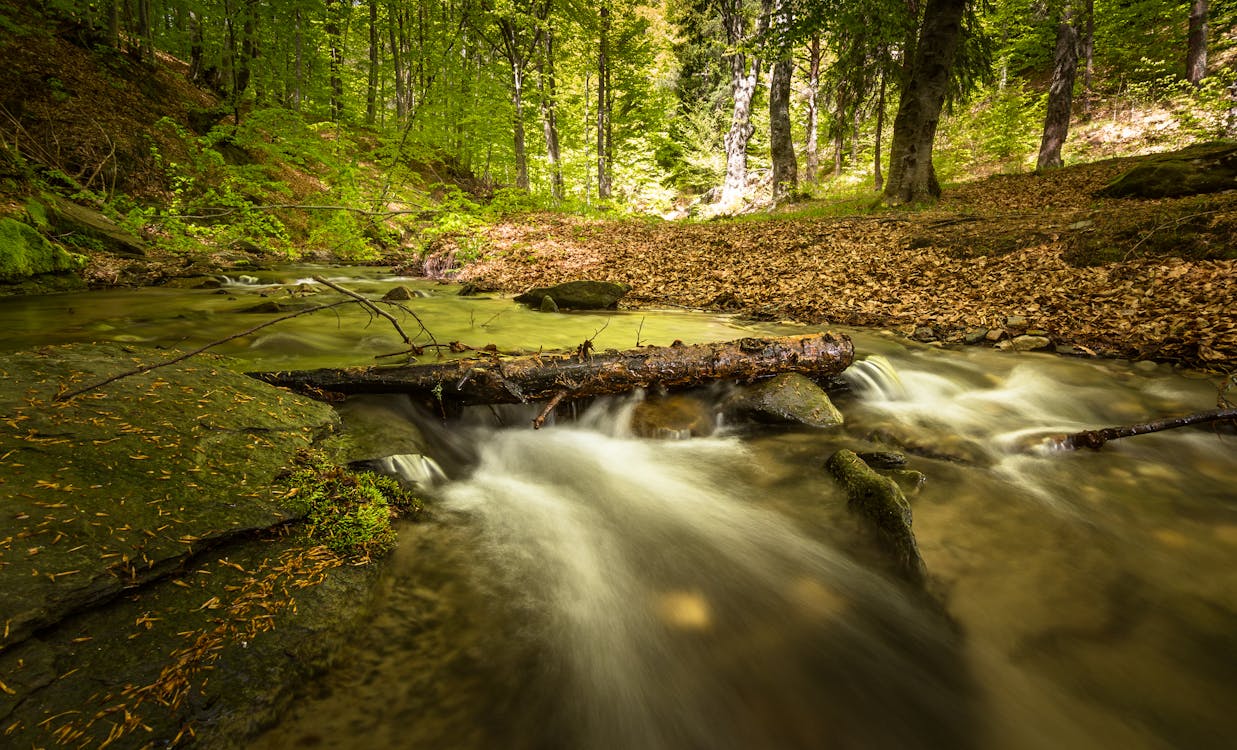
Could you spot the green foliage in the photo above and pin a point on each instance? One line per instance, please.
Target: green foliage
(349, 512)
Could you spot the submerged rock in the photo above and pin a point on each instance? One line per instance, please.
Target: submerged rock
(788, 398)
(398, 294)
(675, 417)
(578, 295)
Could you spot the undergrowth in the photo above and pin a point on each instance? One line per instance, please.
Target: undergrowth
(348, 511)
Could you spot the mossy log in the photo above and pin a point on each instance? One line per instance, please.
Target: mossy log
(880, 501)
(541, 377)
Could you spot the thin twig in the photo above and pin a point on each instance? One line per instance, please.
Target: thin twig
(368, 305)
(199, 350)
(550, 406)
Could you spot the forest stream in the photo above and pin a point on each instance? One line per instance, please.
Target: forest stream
(584, 586)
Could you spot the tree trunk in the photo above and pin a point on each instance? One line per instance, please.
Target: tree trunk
(371, 83)
(1196, 48)
(336, 56)
(395, 38)
(743, 79)
(549, 117)
(781, 144)
(878, 179)
(603, 106)
(811, 148)
(912, 178)
(580, 374)
(1060, 94)
(1088, 59)
(517, 123)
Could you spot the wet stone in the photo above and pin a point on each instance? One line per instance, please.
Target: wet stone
(398, 294)
(1030, 343)
(975, 335)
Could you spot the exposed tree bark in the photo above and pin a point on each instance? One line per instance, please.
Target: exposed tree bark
(1060, 94)
(1196, 47)
(811, 149)
(580, 374)
(781, 144)
(912, 178)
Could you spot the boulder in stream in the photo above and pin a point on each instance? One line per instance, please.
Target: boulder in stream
(578, 295)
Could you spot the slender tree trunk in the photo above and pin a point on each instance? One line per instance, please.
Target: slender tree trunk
(517, 130)
(1196, 50)
(604, 176)
(912, 178)
(1060, 94)
(878, 179)
(196, 69)
(336, 56)
(549, 117)
(371, 84)
(1088, 58)
(395, 40)
(781, 144)
(811, 152)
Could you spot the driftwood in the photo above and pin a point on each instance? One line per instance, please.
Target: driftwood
(544, 377)
(1095, 439)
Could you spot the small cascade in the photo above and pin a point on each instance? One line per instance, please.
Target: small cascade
(240, 280)
(875, 376)
(414, 468)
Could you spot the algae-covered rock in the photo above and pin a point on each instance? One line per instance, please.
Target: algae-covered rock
(788, 398)
(880, 502)
(25, 253)
(578, 295)
(122, 484)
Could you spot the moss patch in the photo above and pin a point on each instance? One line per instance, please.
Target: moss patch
(348, 511)
(25, 253)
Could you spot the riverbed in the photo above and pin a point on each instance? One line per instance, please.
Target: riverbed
(585, 587)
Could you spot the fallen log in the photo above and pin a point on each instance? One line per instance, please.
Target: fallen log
(541, 377)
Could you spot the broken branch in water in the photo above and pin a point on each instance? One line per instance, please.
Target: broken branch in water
(1095, 439)
(368, 305)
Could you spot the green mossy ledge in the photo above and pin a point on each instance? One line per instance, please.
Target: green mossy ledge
(24, 253)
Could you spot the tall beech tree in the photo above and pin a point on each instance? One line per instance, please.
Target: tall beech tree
(1060, 91)
(744, 74)
(912, 177)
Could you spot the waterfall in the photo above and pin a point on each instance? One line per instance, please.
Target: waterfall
(671, 610)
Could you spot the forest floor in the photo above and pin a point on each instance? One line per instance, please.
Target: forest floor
(1137, 278)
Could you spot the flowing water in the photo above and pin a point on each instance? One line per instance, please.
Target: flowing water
(584, 587)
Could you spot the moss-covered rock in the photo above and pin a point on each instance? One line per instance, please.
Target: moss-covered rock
(122, 484)
(880, 502)
(1204, 168)
(90, 229)
(577, 295)
(25, 253)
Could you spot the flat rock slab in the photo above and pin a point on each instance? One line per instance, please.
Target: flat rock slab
(122, 485)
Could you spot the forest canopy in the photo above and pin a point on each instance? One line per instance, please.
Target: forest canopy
(637, 104)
